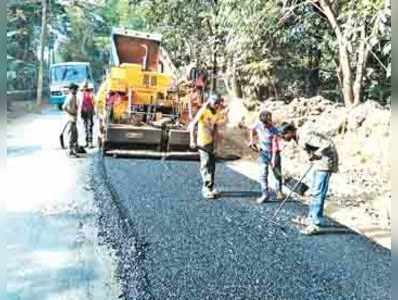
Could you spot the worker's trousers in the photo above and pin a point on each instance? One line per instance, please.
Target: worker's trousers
(208, 166)
(319, 189)
(73, 136)
(87, 117)
(265, 163)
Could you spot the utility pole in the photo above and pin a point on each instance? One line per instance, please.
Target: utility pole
(41, 53)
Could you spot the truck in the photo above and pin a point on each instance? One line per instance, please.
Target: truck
(138, 105)
(62, 75)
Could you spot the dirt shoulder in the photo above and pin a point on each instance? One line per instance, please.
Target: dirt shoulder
(360, 194)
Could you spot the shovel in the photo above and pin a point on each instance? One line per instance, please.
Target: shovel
(61, 136)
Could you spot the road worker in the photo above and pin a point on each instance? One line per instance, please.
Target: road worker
(323, 155)
(70, 106)
(269, 149)
(87, 112)
(207, 119)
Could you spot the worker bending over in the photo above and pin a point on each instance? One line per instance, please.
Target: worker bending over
(323, 155)
(207, 119)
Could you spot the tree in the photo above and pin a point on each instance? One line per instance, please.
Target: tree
(356, 26)
(262, 48)
(22, 35)
(41, 57)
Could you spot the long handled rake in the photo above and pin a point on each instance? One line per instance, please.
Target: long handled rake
(290, 194)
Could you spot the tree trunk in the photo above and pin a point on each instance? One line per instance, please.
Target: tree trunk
(41, 57)
(275, 89)
(344, 58)
(236, 85)
(346, 74)
(363, 53)
(313, 81)
(214, 77)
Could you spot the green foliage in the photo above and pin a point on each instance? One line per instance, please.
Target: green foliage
(23, 31)
(268, 48)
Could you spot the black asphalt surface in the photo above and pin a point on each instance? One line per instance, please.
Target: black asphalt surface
(172, 244)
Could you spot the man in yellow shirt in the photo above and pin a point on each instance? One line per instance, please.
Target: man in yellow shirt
(207, 120)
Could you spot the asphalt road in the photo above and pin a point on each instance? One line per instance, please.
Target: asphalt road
(172, 244)
(48, 219)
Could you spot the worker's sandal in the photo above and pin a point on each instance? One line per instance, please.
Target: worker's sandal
(215, 192)
(73, 154)
(303, 221)
(280, 196)
(310, 229)
(207, 193)
(262, 199)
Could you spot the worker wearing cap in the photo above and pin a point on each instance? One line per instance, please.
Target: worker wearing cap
(70, 106)
(87, 112)
(323, 155)
(207, 119)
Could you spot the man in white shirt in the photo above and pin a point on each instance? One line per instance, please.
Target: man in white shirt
(71, 107)
(266, 134)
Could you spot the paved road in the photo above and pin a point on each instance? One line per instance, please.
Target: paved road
(184, 247)
(167, 242)
(49, 219)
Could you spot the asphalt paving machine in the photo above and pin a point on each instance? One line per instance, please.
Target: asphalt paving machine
(138, 105)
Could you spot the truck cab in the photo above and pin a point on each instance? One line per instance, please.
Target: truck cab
(62, 75)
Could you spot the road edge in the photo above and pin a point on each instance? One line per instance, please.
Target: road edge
(118, 233)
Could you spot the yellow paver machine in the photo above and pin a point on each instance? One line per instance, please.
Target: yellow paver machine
(138, 105)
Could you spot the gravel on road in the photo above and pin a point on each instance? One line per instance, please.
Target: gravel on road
(172, 244)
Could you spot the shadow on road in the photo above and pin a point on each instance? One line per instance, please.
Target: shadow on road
(239, 194)
(335, 230)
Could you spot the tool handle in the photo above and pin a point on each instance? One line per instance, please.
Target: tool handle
(66, 125)
(290, 193)
(254, 147)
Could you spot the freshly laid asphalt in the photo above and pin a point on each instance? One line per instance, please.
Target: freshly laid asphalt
(181, 246)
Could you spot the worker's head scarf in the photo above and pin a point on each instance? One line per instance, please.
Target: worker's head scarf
(264, 114)
(73, 86)
(214, 99)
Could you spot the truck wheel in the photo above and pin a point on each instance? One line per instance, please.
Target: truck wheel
(59, 106)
